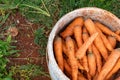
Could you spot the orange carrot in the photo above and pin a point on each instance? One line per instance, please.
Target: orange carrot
(71, 56)
(90, 26)
(105, 40)
(64, 48)
(58, 52)
(117, 32)
(69, 29)
(79, 64)
(112, 40)
(81, 77)
(92, 64)
(114, 70)
(67, 67)
(85, 36)
(78, 35)
(85, 63)
(75, 44)
(98, 58)
(107, 30)
(82, 50)
(109, 64)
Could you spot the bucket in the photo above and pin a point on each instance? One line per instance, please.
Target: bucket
(94, 13)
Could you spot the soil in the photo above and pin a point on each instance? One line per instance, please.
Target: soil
(29, 51)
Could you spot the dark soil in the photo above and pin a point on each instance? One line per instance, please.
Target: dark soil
(29, 51)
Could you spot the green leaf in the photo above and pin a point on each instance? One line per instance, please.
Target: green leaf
(9, 38)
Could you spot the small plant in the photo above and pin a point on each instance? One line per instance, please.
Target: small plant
(5, 50)
(26, 72)
(41, 40)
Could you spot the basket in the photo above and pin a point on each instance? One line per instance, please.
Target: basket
(94, 13)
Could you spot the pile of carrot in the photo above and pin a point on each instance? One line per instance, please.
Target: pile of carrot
(86, 50)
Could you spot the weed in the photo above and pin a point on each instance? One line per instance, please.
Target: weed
(41, 40)
(26, 72)
(5, 50)
(110, 5)
(23, 5)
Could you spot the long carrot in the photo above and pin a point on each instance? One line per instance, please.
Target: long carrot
(90, 26)
(75, 44)
(71, 56)
(110, 63)
(78, 35)
(69, 29)
(92, 64)
(58, 52)
(67, 67)
(107, 30)
(114, 70)
(98, 58)
(105, 40)
(82, 50)
(112, 40)
(64, 48)
(85, 36)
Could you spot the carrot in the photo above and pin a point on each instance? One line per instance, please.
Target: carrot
(112, 40)
(78, 35)
(110, 63)
(85, 36)
(105, 40)
(58, 52)
(69, 29)
(82, 50)
(90, 26)
(85, 63)
(79, 64)
(107, 30)
(64, 49)
(117, 32)
(92, 63)
(71, 56)
(67, 67)
(98, 58)
(114, 70)
(81, 77)
(75, 44)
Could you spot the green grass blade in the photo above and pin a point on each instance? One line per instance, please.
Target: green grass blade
(37, 8)
(4, 19)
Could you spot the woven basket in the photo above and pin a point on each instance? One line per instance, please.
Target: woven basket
(94, 13)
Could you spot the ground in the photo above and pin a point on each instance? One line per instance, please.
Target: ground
(29, 51)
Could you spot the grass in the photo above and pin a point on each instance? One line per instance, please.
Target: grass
(5, 50)
(48, 12)
(27, 72)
